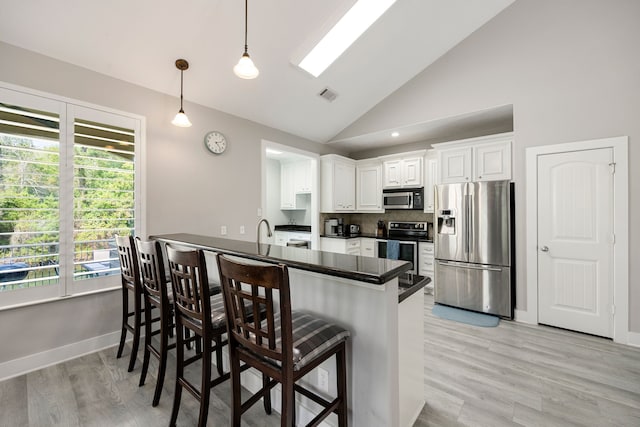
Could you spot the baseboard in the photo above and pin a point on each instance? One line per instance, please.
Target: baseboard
(524, 316)
(33, 362)
(633, 339)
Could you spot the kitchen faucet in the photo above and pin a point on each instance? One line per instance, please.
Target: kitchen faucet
(269, 234)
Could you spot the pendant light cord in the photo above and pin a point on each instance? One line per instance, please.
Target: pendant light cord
(181, 80)
(246, 14)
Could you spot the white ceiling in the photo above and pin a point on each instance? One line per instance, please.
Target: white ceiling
(139, 41)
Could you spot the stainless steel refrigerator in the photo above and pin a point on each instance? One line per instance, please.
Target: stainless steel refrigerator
(473, 246)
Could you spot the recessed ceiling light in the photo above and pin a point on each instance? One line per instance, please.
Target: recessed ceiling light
(395, 134)
(351, 26)
(272, 151)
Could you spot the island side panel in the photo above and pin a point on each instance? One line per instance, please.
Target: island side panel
(370, 312)
(411, 353)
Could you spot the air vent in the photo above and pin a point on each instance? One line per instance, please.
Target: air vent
(328, 94)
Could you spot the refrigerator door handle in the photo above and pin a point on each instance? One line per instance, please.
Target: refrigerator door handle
(469, 266)
(467, 225)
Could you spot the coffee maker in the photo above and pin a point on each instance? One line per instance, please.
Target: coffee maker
(331, 227)
(340, 227)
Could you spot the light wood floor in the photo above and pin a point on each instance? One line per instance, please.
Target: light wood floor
(514, 374)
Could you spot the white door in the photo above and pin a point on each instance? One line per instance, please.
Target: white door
(575, 240)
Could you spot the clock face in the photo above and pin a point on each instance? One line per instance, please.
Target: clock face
(215, 142)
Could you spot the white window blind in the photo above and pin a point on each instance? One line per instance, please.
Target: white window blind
(68, 184)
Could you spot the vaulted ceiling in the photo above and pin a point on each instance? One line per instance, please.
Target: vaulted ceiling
(139, 41)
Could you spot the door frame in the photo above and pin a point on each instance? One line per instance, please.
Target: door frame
(620, 265)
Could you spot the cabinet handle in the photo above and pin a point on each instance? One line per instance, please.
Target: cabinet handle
(480, 177)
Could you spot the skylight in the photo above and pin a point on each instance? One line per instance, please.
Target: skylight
(346, 31)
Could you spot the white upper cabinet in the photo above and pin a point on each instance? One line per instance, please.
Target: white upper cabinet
(492, 161)
(430, 179)
(455, 165)
(338, 175)
(287, 192)
(369, 186)
(478, 159)
(403, 172)
(302, 176)
(295, 178)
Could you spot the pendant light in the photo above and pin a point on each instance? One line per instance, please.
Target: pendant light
(245, 69)
(181, 118)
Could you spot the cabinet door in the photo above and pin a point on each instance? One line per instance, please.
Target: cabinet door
(330, 244)
(455, 165)
(369, 188)
(392, 174)
(367, 247)
(344, 187)
(287, 189)
(431, 173)
(492, 161)
(412, 172)
(281, 238)
(302, 175)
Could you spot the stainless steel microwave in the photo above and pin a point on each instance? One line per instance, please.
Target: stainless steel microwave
(404, 199)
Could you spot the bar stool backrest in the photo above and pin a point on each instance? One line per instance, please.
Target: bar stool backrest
(129, 268)
(254, 285)
(152, 272)
(190, 286)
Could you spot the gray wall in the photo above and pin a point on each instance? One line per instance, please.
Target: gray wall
(188, 189)
(571, 69)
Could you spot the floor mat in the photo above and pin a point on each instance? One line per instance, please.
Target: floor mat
(464, 316)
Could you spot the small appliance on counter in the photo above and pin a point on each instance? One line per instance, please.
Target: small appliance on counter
(381, 231)
(340, 227)
(353, 230)
(331, 227)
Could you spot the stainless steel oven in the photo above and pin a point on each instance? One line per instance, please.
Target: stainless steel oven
(408, 251)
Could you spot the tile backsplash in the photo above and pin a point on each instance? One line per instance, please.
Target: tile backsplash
(369, 221)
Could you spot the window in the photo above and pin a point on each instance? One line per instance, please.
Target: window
(68, 183)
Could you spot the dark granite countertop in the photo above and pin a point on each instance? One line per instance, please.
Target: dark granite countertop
(290, 227)
(364, 269)
(408, 287)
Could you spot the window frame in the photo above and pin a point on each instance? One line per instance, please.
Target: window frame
(68, 110)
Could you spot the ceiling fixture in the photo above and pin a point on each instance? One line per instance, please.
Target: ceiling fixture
(245, 69)
(181, 118)
(346, 31)
(395, 134)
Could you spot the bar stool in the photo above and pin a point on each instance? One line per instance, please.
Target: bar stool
(130, 274)
(285, 346)
(156, 295)
(201, 315)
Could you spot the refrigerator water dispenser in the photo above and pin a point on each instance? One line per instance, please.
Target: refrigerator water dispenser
(446, 222)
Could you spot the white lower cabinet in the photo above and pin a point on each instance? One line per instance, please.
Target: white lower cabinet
(367, 247)
(282, 237)
(340, 246)
(425, 259)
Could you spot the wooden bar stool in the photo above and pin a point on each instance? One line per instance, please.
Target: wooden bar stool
(201, 315)
(285, 346)
(130, 274)
(156, 295)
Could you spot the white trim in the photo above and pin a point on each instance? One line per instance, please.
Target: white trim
(33, 362)
(619, 145)
(523, 316)
(315, 184)
(633, 338)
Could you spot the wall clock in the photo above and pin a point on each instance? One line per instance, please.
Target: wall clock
(215, 142)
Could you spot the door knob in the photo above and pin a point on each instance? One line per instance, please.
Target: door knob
(544, 249)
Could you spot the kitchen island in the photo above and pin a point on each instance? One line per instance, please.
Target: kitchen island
(385, 361)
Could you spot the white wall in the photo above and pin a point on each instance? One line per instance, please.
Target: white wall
(571, 69)
(188, 189)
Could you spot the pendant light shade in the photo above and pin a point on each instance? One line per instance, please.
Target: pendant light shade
(181, 118)
(245, 68)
